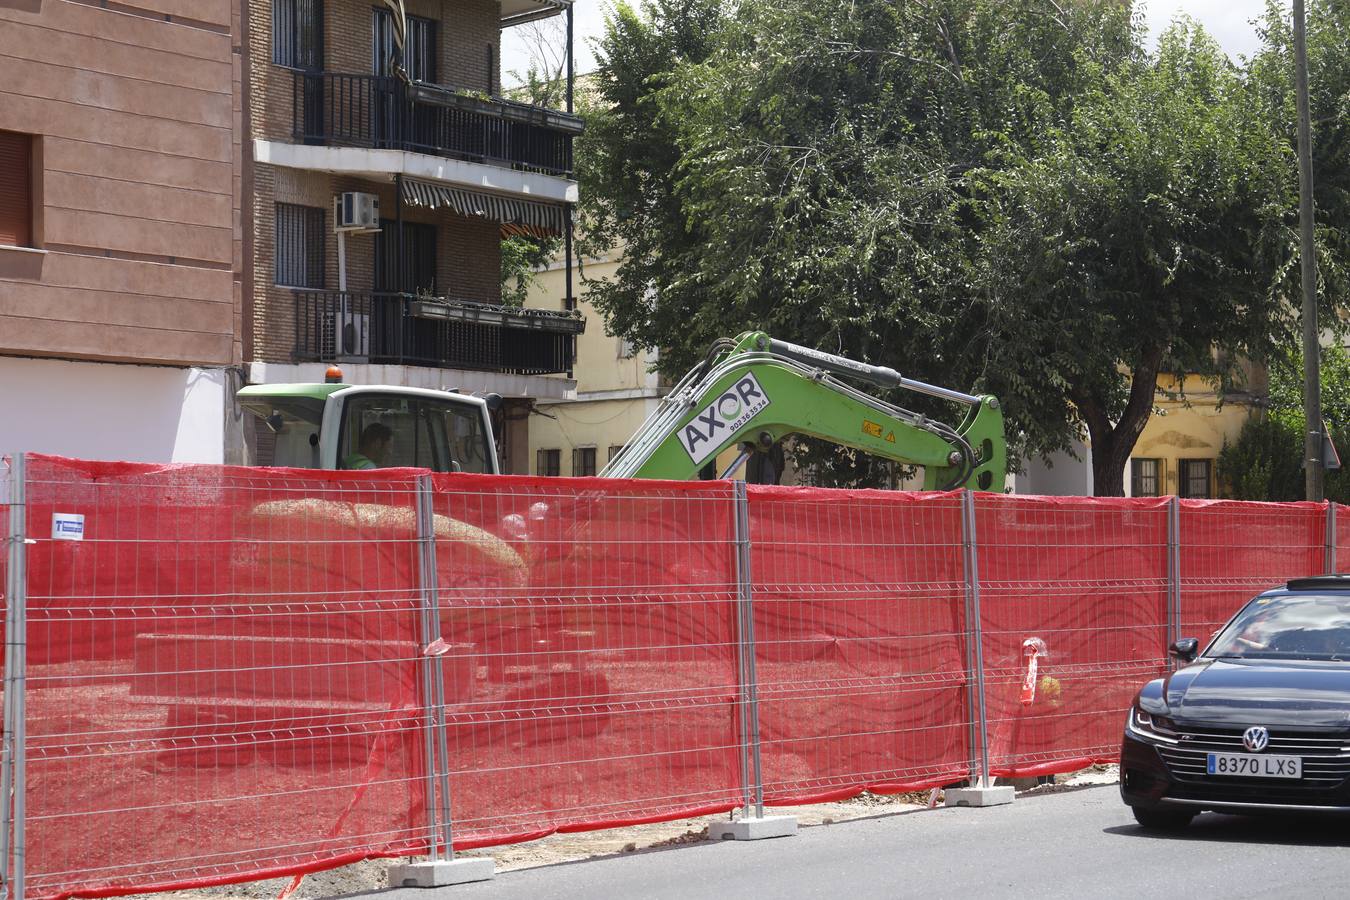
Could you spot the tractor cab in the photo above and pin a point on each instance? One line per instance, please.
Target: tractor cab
(339, 426)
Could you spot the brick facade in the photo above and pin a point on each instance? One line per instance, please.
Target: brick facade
(468, 251)
(468, 30)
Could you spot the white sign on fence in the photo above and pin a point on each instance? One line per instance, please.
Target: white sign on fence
(67, 526)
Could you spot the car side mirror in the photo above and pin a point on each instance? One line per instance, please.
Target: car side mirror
(1185, 649)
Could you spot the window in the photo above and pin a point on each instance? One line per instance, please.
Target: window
(627, 349)
(583, 462)
(16, 189)
(548, 462)
(419, 248)
(383, 430)
(1193, 477)
(1145, 477)
(297, 33)
(614, 451)
(300, 246)
(419, 46)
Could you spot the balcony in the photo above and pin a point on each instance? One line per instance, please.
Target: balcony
(386, 113)
(407, 329)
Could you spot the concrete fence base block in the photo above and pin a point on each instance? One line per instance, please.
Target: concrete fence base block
(753, 829)
(979, 796)
(441, 872)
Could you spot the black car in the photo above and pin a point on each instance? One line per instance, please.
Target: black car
(1260, 721)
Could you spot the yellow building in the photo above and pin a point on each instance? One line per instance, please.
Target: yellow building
(1179, 449)
(614, 393)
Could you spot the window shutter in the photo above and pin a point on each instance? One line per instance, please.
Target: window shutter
(16, 192)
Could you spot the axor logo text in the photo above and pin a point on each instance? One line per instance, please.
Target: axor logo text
(722, 418)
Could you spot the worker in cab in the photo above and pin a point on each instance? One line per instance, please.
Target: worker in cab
(372, 449)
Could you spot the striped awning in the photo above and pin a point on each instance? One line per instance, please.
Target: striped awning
(517, 217)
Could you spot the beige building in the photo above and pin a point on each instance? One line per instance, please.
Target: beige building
(120, 261)
(380, 202)
(579, 433)
(1178, 451)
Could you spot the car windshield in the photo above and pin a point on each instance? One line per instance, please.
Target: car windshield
(1291, 626)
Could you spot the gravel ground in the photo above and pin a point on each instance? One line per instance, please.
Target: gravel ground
(558, 848)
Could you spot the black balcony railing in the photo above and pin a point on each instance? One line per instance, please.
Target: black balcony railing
(385, 113)
(415, 330)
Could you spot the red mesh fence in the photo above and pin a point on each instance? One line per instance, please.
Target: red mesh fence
(224, 672)
(1341, 550)
(221, 678)
(859, 617)
(592, 624)
(1073, 598)
(1232, 550)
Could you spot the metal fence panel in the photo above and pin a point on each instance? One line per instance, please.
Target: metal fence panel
(1232, 550)
(241, 673)
(1074, 606)
(859, 628)
(1342, 538)
(222, 679)
(591, 670)
(13, 766)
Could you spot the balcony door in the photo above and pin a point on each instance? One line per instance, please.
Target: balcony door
(419, 47)
(415, 128)
(395, 335)
(419, 253)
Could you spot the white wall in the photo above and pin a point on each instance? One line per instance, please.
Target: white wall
(1062, 476)
(113, 412)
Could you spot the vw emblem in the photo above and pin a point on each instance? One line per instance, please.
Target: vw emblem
(1256, 738)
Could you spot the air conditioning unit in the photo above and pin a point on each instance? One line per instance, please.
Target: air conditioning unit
(345, 334)
(356, 212)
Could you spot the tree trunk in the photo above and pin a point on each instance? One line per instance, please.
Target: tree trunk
(1113, 442)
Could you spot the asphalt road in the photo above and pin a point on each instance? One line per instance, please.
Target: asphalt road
(1074, 844)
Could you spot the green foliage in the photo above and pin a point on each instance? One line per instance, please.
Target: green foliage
(521, 258)
(1000, 195)
(1266, 461)
(1141, 235)
(1271, 74)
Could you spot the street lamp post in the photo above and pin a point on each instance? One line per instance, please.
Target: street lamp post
(1314, 471)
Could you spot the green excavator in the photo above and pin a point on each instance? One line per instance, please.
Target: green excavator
(749, 393)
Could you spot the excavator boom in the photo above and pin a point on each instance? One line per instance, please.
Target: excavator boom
(754, 391)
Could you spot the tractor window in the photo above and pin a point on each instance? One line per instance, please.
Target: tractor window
(383, 431)
(458, 427)
(293, 423)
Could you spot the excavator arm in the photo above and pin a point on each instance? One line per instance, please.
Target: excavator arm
(755, 391)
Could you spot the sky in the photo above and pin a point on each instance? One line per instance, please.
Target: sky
(1228, 20)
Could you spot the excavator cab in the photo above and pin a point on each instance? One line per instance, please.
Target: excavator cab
(338, 426)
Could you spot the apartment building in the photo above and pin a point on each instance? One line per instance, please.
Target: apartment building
(120, 262)
(383, 181)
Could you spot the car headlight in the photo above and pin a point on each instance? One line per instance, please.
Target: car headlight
(1152, 728)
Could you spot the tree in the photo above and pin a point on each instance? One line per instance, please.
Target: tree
(1144, 236)
(542, 84)
(1266, 460)
(522, 258)
(1272, 76)
(627, 157)
(544, 81)
(1006, 196)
